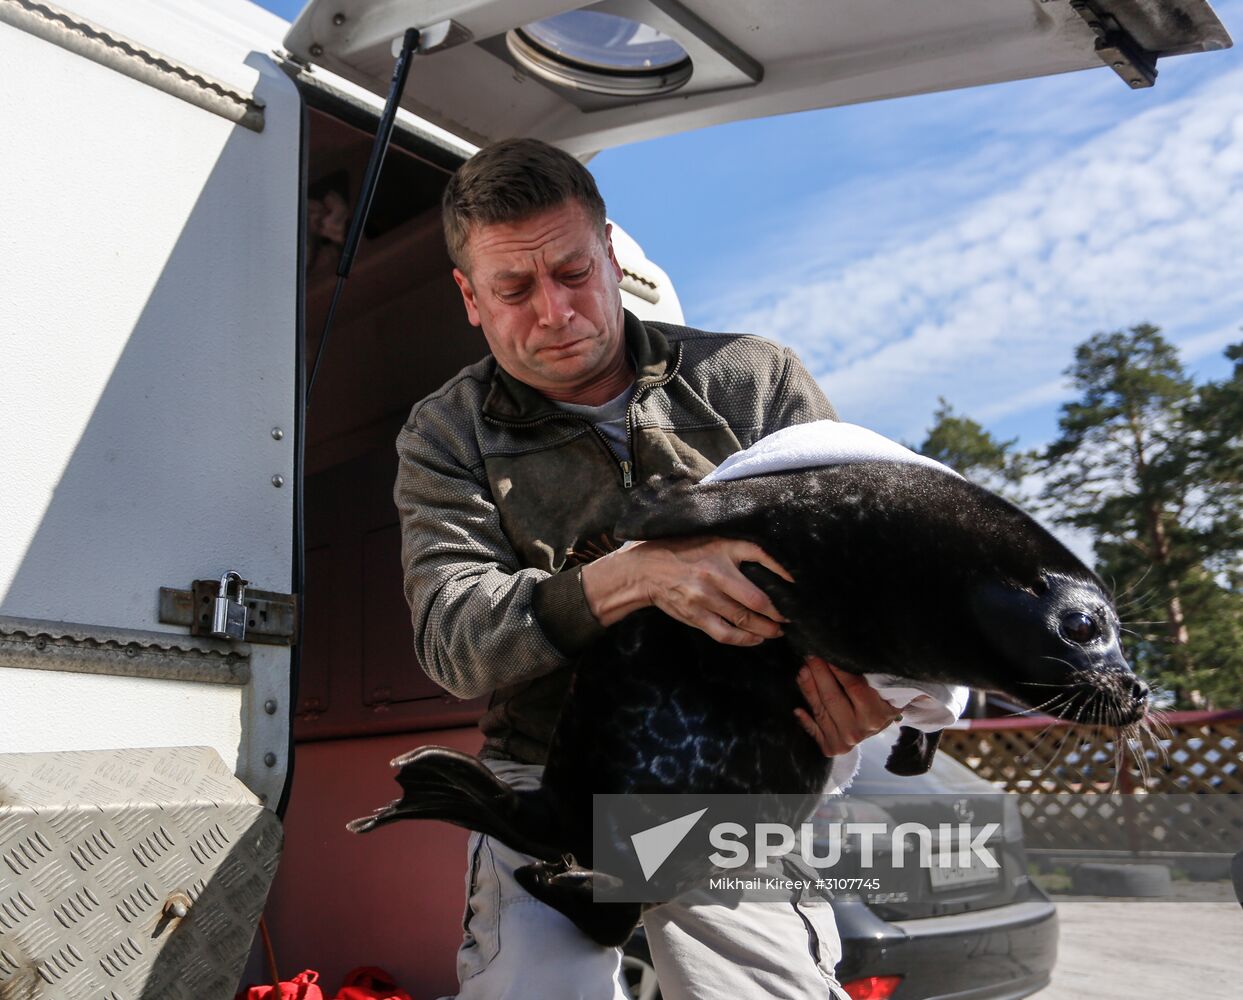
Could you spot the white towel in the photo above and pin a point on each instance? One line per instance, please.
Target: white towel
(925, 705)
(821, 442)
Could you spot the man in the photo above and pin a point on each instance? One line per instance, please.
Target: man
(511, 477)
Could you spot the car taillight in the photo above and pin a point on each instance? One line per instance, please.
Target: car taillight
(872, 987)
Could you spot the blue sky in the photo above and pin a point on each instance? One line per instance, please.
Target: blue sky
(958, 244)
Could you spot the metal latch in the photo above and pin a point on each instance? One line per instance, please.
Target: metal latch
(230, 608)
(1117, 47)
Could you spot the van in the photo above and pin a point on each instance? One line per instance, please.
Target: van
(200, 584)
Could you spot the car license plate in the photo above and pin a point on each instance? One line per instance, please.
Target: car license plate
(957, 875)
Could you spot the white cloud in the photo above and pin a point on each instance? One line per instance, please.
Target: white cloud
(1140, 222)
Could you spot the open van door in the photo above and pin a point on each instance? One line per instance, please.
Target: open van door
(587, 77)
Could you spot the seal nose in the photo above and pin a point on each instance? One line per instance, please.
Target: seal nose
(1139, 690)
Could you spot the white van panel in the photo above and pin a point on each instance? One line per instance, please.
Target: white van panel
(214, 38)
(47, 711)
(148, 331)
(646, 289)
(748, 60)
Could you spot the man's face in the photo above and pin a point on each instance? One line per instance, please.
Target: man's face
(545, 292)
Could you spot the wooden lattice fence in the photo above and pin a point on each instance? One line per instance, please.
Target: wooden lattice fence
(1176, 793)
(1190, 752)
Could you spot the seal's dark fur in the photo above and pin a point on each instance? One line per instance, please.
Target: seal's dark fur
(898, 568)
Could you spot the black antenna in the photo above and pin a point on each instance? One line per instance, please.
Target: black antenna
(401, 69)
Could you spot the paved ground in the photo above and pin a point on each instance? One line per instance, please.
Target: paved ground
(1129, 949)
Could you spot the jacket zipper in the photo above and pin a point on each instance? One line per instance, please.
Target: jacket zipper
(628, 470)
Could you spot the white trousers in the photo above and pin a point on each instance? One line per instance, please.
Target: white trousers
(516, 948)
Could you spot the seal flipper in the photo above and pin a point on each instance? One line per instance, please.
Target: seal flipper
(913, 752)
(567, 888)
(440, 783)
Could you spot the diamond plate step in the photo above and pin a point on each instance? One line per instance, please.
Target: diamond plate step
(129, 874)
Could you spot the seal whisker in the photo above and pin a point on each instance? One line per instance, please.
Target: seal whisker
(1143, 576)
(1122, 745)
(1135, 733)
(1149, 724)
(1144, 736)
(1053, 708)
(1031, 711)
(1135, 610)
(1161, 748)
(1050, 728)
(1157, 722)
(1066, 737)
(1143, 600)
(1146, 769)
(1040, 737)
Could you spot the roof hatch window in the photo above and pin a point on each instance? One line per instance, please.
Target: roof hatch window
(602, 53)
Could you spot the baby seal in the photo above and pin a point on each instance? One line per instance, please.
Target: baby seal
(898, 568)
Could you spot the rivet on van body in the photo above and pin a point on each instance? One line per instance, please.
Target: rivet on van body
(269, 706)
(317, 50)
(338, 19)
(177, 906)
(277, 433)
(269, 759)
(278, 481)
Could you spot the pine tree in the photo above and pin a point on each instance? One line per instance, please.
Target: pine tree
(1217, 641)
(970, 450)
(1141, 463)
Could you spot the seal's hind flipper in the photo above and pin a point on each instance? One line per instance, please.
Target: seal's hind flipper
(439, 783)
(913, 752)
(567, 888)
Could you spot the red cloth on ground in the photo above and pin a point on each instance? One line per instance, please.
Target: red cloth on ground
(370, 983)
(301, 987)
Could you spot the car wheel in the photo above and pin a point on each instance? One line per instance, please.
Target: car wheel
(638, 974)
(639, 978)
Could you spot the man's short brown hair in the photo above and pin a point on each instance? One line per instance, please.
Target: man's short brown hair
(510, 181)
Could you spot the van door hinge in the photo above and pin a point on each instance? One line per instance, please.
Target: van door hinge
(271, 617)
(1117, 47)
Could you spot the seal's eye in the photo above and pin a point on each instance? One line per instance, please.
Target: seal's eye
(1079, 627)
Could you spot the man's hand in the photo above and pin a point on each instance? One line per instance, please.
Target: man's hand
(695, 580)
(845, 709)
